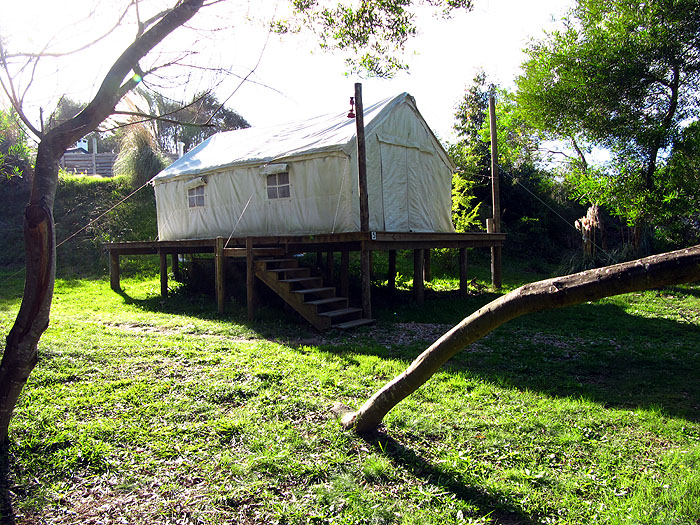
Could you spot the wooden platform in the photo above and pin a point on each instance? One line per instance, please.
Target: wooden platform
(255, 249)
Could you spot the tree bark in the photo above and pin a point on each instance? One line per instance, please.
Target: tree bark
(20, 355)
(658, 270)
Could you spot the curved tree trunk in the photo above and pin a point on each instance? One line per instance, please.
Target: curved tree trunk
(659, 270)
(20, 354)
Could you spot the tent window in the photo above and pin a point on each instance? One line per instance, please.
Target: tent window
(195, 197)
(278, 185)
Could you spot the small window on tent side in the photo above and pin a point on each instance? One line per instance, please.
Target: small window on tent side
(278, 186)
(195, 197)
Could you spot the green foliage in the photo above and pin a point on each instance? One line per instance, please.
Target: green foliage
(371, 33)
(79, 201)
(465, 214)
(139, 157)
(625, 76)
(534, 214)
(15, 153)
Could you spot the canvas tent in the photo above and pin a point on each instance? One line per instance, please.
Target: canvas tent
(301, 178)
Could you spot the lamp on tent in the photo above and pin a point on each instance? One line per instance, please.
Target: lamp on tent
(351, 113)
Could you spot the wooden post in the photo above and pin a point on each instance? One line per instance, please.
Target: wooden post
(418, 267)
(250, 277)
(463, 283)
(391, 278)
(163, 274)
(426, 270)
(114, 271)
(329, 268)
(496, 264)
(345, 273)
(219, 274)
(94, 156)
(361, 159)
(319, 260)
(366, 265)
(176, 266)
(366, 293)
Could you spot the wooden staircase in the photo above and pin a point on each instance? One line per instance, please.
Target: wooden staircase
(305, 292)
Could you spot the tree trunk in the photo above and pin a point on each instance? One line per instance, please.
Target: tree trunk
(20, 354)
(659, 270)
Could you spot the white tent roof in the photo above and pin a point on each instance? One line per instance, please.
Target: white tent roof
(259, 145)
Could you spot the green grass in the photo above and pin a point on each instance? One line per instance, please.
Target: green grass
(144, 410)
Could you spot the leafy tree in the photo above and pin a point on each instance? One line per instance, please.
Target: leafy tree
(14, 149)
(471, 155)
(623, 75)
(373, 33)
(527, 191)
(189, 123)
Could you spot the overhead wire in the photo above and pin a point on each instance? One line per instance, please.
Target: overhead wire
(90, 223)
(514, 179)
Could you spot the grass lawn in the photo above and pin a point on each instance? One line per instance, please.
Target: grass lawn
(147, 411)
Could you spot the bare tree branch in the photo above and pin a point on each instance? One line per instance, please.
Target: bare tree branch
(56, 54)
(149, 117)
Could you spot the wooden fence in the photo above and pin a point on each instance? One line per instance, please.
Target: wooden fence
(89, 163)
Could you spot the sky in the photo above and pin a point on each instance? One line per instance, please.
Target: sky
(291, 77)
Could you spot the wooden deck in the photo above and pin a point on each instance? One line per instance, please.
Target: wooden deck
(253, 248)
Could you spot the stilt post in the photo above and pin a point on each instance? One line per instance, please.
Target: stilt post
(418, 268)
(163, 273)
(219, 274)
(364, 202)
(114, 271)
(391, 277)
(463, 283)
(427, 270)
(250, 277)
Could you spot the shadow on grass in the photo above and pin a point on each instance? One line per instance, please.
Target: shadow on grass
(496, 506)
(694, 291)
(272, 320)
(593, 351)
(598, 352)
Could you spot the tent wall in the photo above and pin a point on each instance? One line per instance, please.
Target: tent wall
(319, 202)
(409, 176)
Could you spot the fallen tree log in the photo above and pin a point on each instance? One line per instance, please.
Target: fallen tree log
(681, 266)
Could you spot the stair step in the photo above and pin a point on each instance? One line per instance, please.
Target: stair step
(338, 313)
(321, 302)
(300, 280)
(315, 290)
(354, 323)
(277, 262)
(296, 269)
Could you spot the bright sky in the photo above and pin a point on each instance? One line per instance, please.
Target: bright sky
(302, 80)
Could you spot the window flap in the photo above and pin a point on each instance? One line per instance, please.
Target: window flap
(198, 181)
(271, 169)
